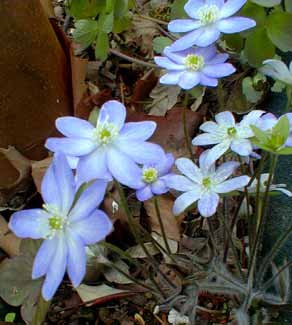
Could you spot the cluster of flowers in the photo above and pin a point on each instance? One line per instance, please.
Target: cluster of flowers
(117, 150)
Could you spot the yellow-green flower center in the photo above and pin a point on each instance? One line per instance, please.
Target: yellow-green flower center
(194, 62)
(231, 131)
(105, 133)
(208, 14)
(55, 223)
(207, 182)
(150, 175)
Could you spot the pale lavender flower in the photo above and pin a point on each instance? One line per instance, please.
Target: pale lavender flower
(227, 134)
(192, 67)
(152, 177)
(278, 70)
(209, 18)
(65, 228)
(203, 184)
(111, 149)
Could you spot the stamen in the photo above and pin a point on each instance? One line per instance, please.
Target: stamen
(194, 62)
(150, 175)
(208, 14)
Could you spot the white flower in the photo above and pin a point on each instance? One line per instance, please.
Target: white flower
(175, 318)
(278, 70)
(263, 182)
(227, 134)
(203, 184)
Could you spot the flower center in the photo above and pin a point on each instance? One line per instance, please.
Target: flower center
(208, 14)
(194, 62)
(55, 223)
(207, 182)
(150, 175)
(231, 131)
(105, 133)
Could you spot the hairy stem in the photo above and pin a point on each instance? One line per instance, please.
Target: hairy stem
(186, 133)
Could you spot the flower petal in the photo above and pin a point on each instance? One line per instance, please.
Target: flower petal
(165, 165)
(235, 24)
(112, 112)
(93, 166)
(225, 118)
(189, 169)
(186, 41)
(144, 193)
(88, 201)
(56, 269)
(231, 7)
(179, 183)
(252, 118)
(93, 228)
(189, 80)
(243, 147)
(208, 36)
(168, 64)
(141, 152)
(159, 187)
(171, 78)
(76, 264)
(192, 6)
(141, 131)
(32, 223)
(70, 146)
(232, 184)
(74, 127)
(208, 203)
(185, 200)
(219, 58)
(209, 126)
(209, 52)
(124, 169)
(206, 139)
(209, 82)
(44, 258)
(219, 70)
(225, 170)
(65, 180)
(183, 25)
(216, 152)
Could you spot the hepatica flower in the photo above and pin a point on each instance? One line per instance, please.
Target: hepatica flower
(110, 149)
(278, 70)
(226, 134)
(203, 184)
(192, 67)
(153, 178)
(209, 18)
(66, 229)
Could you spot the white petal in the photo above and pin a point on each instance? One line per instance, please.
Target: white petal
(168, 64)
(206, 139)
(232, 184)
(208, 203)
(188, 168)
(74, 127)
(210, 127)
(252, 118)
(216, 152)
(112, 112)
(208, 36)
(189, 80)
(192, 6)
(225, 170)
(170, 78)
(225, 118)
(179, 183)
(185, 200)
(141, 131)
(242, 147)
(183, 25)
(235, 24)
(231, 7)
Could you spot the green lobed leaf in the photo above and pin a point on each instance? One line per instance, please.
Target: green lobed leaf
(255, 12)
(121, 24)
(267, 3)
(281, 130)
(160, 42)
(256, 40)
(279, 29)
(177, 9)
(106, 22)
(285, 151)
(10, 317)
(252, 95)
(82, 9)
(102, 46)
(121, 8)
(278, 86)
(260, 135)
(85, 32)
(288, 5)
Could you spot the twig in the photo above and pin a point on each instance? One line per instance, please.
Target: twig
(131, 59)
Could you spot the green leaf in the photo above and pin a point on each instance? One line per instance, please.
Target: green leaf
(255, 12)
(10, 317)
(177, 9)
(252, 95)
(85, 32)
(288, 5)
(106, 22)
(102, 46)
(282, 129)
(256, 40)
(234, 41)
(259, 134)
(278, 86)
(121, 24)
(267, 3)
(160, 42)
(110, 5)
(121, 8)
(82, 9)
(279, 29)
(285, 151)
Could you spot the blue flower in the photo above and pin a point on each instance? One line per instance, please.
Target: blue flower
(227, 134)
(210, 18)
(111, 149)
(152, 177)
(203, 184)
(192, 67)
(66, 226)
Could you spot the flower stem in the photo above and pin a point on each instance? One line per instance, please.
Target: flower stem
(212, 236)
(134, 60)
(260, 221)
(137, 236)
(289, 98)
(186, 133)
(156, 204)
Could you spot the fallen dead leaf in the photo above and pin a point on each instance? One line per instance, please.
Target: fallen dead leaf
(170, 222)
(38, 169)
(8, 241)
